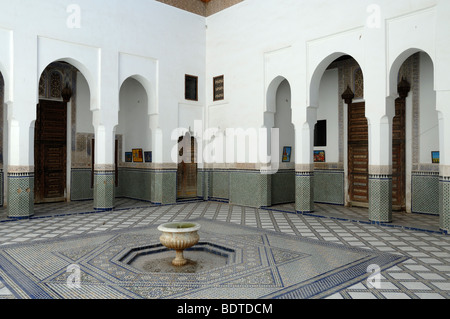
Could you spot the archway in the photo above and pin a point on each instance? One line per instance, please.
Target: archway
(279, 116)
(133, 142)
(61, 155)
(415, 159)
(340, 137)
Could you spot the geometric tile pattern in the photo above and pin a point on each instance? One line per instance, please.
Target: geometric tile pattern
(426, 274)
(329, 187)
(380, 198)
(250, 188)
(135, 183)
(304, 194)
(266, 264)
(80, 188)
(425, 193)
(20, 195)
(104, 190)
(283, 187)
(164, 187)
(444, 203)
(219, 182)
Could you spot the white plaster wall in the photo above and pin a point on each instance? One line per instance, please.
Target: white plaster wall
(429, 125)
(329, 110)
(283, 120)
(133, 117)
(83, 111)
(253, 41)
(40, 34)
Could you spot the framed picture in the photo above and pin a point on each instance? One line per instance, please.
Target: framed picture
(128, 157)
(138, 155)
(219, 88)
(435, 158)
(319, 156)
(287, 154)
(148, 157)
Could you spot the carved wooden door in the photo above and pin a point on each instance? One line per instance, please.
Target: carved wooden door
(187, 168)
(398, 156)
(358, 154)
(50, 151)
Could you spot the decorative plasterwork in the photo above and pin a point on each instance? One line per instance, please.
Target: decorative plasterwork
(201, 7)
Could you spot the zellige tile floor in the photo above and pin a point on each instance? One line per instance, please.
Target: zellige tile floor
(425, 275)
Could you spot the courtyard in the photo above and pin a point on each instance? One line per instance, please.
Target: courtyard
(416, 254)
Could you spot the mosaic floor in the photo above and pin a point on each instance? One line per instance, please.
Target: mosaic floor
(423, 270)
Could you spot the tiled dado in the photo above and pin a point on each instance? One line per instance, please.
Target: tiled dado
(104, 189)
(20, 194)
(425, 192)
(380, 198)
(283, 187)
(250, 188)
(164, 186)
(80, 184)
(304, 192)
(329, 187)
(444, 203)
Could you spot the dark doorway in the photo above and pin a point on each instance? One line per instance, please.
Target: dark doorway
(50, 152)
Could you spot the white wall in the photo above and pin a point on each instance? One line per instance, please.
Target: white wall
(283, 120)
(429, 126)
(84, 114)
(41, 32)
(133, 117)
(329, 110)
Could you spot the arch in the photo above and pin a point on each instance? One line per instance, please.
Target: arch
(394, 69)
(151, 92)
(82, 69)
(319, 70)
(271, 93)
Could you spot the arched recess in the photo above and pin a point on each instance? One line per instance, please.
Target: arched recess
(416, 133)
(339, 131)
(133, 137)
(278, 115)
(63, 134)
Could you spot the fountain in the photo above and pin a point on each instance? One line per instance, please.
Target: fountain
(179, 236)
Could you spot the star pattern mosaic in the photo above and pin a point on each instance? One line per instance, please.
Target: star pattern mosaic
(425, 272)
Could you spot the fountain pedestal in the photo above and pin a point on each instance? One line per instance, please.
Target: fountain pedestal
(179, 236)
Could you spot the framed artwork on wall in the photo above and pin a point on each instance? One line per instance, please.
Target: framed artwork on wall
(138, 155)
(219, 91)
(148, 157)
(128, 157)
(435, 157)
(287, 154)
(319, 156)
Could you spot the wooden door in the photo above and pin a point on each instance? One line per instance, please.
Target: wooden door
(399, 156)
(358, 154)
(187, 168)
(50, 152)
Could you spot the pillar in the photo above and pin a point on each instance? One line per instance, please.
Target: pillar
(304, 164)
(104, 169)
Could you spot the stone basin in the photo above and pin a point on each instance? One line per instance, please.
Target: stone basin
(179, 236)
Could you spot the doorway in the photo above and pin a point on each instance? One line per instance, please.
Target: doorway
(358, 155)
(187, 168)
(50, 152)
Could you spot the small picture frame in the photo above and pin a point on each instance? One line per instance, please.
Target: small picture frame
(148, 157)
(128, 157)
(435, 157)
(138, 156)
(319, 156)
(286, 158)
